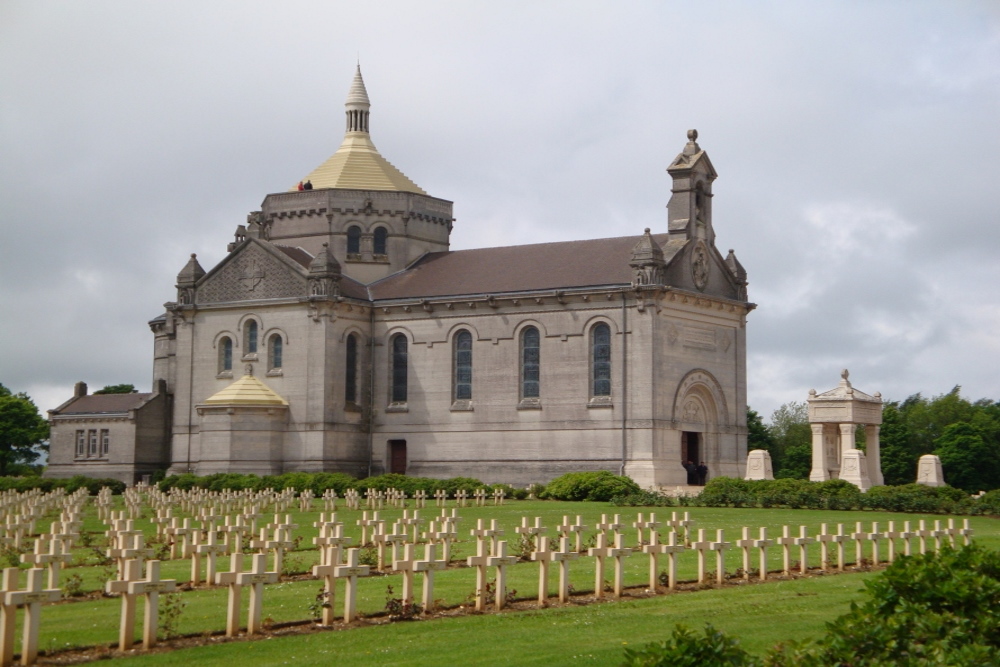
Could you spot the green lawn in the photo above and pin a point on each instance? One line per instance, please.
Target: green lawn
(760, 615)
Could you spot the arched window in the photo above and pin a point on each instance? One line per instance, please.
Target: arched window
(379, 240)
(351, 366)
(399, 362)
(463, 366)
(275, 348)
(530, 362)
(225, 354)
(250, 337)
(353, 240)
(600, 366)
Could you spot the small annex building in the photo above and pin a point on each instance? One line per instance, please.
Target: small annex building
(117, 436)
(341, 333)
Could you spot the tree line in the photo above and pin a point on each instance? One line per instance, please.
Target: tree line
(964, 434)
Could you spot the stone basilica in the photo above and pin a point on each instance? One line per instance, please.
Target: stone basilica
(340, 333)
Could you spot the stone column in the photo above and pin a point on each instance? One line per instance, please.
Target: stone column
(873, 455)
(847, 443)
(820, 468)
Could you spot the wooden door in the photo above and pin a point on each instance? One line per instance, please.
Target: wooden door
(397, 457)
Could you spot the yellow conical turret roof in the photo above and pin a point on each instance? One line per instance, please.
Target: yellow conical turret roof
(357, 164)
(248, 390)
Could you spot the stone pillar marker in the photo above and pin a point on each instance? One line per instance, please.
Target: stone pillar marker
(929, 471)
(759, 464)
(854, 469)
(31, 598)
(351, 571)
(840, 411)
(150, 588)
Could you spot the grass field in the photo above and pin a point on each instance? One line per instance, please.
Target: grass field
(760, 615)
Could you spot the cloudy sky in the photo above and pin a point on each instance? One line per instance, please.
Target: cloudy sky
(857, 145)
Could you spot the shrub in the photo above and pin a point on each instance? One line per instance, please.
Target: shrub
(644, 499)
(687, 649)
(726, 491)
(933, 609)
(599, 485)
(338, 481)
(989, 502)
(455, 484)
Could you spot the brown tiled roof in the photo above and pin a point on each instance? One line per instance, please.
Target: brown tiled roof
(97, 404)
(297, 254)
(351, 288)
(541, 266)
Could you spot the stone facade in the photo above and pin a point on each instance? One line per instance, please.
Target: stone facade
(389, 352)
(117, 436)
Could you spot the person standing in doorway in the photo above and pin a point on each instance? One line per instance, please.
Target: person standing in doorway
(702, 471)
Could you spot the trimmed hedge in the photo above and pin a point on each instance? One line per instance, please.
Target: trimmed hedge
(599, 485)
(338, 481)
(835, 494)
(71, 484)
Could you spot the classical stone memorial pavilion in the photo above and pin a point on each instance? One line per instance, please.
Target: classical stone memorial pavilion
(340, 333)
(834, 417)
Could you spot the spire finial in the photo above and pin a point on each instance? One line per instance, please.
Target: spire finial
(357, 103)
(692, 135)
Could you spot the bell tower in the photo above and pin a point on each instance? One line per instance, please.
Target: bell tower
(689, 211)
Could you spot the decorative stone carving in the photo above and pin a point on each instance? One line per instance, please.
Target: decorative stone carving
(759, 465)
(701, 383)
(929, 471)
(699, 266)
(692, 411)
(252, 274)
